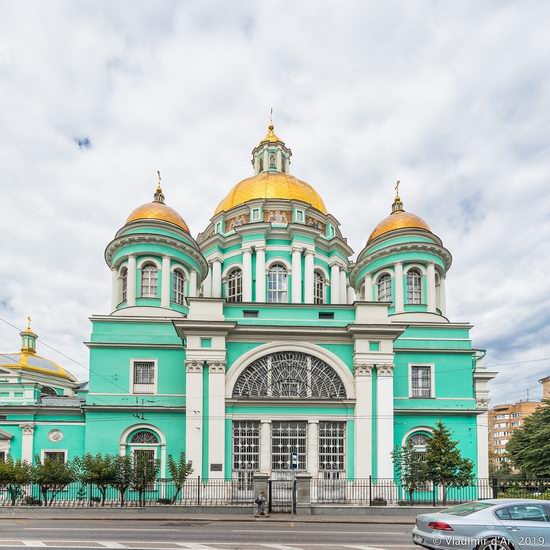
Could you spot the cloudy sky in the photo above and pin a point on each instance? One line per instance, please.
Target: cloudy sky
(453, 98)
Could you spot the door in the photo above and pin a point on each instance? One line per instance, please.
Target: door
(527, 524)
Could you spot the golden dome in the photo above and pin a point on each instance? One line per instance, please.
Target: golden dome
(398, 219)
(29, 361)
(157, 211)
(271, 185)
(271, 137)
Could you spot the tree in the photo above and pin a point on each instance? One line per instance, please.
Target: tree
(179, 472)
(123, 475)
(52, 476)
(98, 470)
(145, 473)
(14, 475)
(409, 470)
(442, 462)
(529, 446)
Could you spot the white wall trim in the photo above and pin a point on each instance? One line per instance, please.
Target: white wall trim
(230, 268)
(148, 259)
(143, 359)
(181, 267)
(122, 265)
(420, 268)
(123, 442)
(381, 273)
(413, 431)
(272, 261)
(325, 273)
(432, 376)
(44, 451)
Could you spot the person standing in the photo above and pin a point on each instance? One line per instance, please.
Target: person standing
(261, 502)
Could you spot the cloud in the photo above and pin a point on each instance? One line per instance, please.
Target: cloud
(453, 99)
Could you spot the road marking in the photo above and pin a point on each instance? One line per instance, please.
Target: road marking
(110, 544)
(362, 547)
(194, 546)
(34, 543)
(319, 532)
(280, 547)
(99, 529)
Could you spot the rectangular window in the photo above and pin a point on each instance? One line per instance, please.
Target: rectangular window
(332, 437)
(255, 213)
(250, 313)
(2, 456)
(246, 445)
(144, 377)
(58, 456)
(421, 381)
(326, 315)
(288, 438)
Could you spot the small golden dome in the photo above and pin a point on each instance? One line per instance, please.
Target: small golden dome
(271, 137)
(29, 361)
(271, 185)
(157, 211)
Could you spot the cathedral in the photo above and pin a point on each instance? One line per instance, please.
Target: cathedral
(261, 345)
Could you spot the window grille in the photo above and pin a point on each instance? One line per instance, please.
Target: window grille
(318, 289)
(384, 289)
(124, 284)
(277, 284)
(421, 381)
(332, 436)
(58, 456)
(289, 375)
(149, 281)
(414, 287)
(235, 286)
(144, 377)
(2, 456)
(288, 438)
(144, 437)
(246, 445)
(179, 287)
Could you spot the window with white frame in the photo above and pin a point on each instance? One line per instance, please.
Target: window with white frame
(235, 286)
(287, 438)
(144, 437)
(383, 288)
(277, 284)
(149, 281)
(57, 456)
(318, 288)
(421, 381)
(332, 437)
(143, 376)
(123, 284)
(246, 445)
(414, 286)
(179, 287)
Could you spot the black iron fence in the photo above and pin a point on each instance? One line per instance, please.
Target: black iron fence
(237, 492)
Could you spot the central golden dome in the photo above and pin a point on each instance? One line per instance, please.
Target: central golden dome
(271, 185)
(157, 211)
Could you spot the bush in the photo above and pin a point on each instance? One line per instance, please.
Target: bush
(32, 501)
(379, 501)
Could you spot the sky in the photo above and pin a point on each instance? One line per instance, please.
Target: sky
(452, 98)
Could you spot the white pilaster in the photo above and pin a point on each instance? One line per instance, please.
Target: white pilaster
(165, 282)
(309, 277)
(442, 295)
(398, 280)
(279, 160)
(247, 275)
(131, 282)
(260, 273)
(207, 284)
(363, 421)
(216, 417)
(266, 159)
(335, 284)
(384, 420)
(351, 295)
(296, 275)
(265, 446)
(430, 291)
(343, 287)
(115, 300)
(27, 437)
(192, 284)
(482, 421)
(368, 289)
(193, 427)
(216, 279)
(313, 448)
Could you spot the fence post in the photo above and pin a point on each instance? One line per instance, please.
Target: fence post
(301, 493)
(494, 483)
(370, 490)
(198, 490)
(434, 493)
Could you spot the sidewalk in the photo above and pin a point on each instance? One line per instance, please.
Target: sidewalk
(175, 514)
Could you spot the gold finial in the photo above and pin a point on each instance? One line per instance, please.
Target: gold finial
(397, 188)
(397, 205)
(29, 320)
(271, 136)
(159, 195)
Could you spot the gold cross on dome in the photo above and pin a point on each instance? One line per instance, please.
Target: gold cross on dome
(397, 187)
(29, 322)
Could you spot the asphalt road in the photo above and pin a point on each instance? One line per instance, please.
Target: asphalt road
(203, 535)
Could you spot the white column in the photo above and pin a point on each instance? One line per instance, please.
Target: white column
(430, 291)
(398, 292)
(247, 275)
(207, 284)
(343, 287)
(216, 417)
(296, 275)
(335, 284)
(482, 422)
(384, 420)
(442, 295)
(313, 448)
(216, 279)
(260, 274)
(115, 300)
(309, 277)
(27, 436)
(279, 160)
(193, 420)
(266, 159)
(192, 284)
(363, 421)
(165, 282)
(265, 446)
(131, 282)
(368, 289)
(351, 295)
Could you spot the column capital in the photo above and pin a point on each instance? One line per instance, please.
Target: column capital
(27, 429)
(398, 263)
(258, 247)
(363, 369)
(265, 421)
(131, 255)
(216, 366)
(297, 248)
(193, 365)
(384, 370)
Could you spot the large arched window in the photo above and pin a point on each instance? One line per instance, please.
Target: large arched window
(289, 374)
(383, 288)
(414, 286)
(179, 287)
(123, 284)
(277, 284)
(235, 286)
(144, 437)
(149, 281)
(318, 288)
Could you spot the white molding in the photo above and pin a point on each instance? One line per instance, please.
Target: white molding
(122, 265)
(123, 441)
(180, 267)
(325, 273)
(272, 261)
(432, 377)
(278, 346)
(143, 359)
(413, 431)
(64, 451)
(230, 268)
(418, 266)
(147, 259)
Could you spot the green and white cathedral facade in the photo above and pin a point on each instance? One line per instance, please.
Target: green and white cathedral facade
(260, 338)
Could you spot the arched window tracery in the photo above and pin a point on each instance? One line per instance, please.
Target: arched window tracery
(144, 437)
